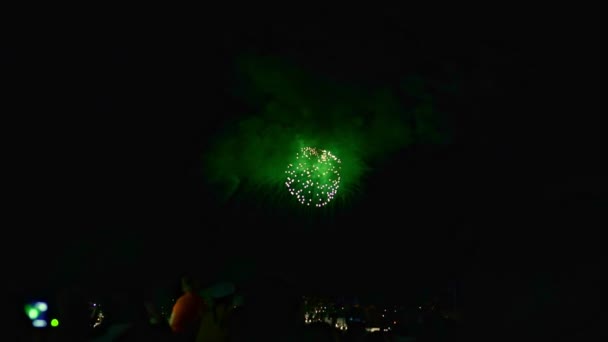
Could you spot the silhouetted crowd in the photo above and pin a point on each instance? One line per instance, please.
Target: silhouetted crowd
(267, 309)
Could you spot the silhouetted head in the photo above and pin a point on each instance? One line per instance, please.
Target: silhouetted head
(189, 284)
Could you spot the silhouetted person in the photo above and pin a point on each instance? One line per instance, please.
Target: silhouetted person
(157, 322)
(187, 310)
(215, 322)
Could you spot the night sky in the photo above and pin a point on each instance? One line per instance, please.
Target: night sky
(110, 126)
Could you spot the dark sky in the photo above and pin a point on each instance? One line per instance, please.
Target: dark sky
(108, 125)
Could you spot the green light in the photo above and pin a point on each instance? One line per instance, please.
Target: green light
(33, 313)
(54, 322)
(302, 107)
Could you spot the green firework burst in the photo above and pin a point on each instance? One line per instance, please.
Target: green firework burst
(314, 176)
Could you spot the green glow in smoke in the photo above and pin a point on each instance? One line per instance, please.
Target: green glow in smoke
(32, 312)
(295, 108)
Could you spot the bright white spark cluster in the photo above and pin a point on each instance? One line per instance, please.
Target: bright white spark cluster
(314, 177)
